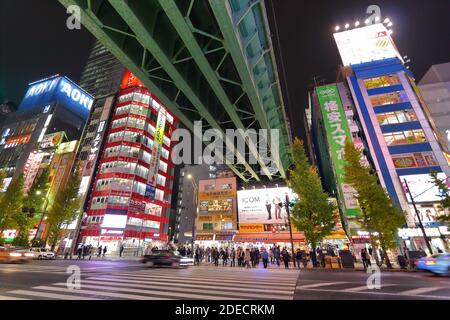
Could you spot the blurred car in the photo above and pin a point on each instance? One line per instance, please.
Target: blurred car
(14, 255)
(42, 253)
(438, 264)
(158, 258)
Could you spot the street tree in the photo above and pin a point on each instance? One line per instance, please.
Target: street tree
(11, 205)
(444, 193)
(64, 209)
(382, 217)
(313, 213)
(2, 177)
(35, 199)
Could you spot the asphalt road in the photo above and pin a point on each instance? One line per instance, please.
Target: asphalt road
(100, 279)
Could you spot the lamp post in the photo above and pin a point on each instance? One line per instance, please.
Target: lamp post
(290, 228)
(194, 218)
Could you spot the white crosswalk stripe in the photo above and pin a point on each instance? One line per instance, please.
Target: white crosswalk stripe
(352, 287)
(156, 284)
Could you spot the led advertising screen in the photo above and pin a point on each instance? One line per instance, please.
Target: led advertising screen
(56, 89)
(422, 187)
(367, 44)
(263, 206)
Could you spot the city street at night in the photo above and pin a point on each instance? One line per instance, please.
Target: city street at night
(119, 280)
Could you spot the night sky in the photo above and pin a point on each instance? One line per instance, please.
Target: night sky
(35, 42)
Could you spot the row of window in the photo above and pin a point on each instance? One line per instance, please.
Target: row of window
(140, 124)
(383, 81)
(414, 160)
(134, 152)
(129, 168)
(389, 98)
(130, 221)
(395, 117)
(102, 201)
(121, 184)
(135, 138)
(405, 137)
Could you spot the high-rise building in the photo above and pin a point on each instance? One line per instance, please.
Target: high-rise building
(435, 88)
(52, 110)
(183, 220)
(131, 193)
(398, 133)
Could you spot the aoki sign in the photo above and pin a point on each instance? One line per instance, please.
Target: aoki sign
(56, 89)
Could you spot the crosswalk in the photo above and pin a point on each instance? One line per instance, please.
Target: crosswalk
(9, 268)
(388, 290)
(197, 283)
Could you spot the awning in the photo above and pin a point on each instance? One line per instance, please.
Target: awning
(269, 237)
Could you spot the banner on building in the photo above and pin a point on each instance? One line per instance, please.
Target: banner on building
(338, 133)
(156, 148)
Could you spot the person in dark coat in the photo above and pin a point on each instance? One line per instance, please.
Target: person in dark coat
(99, 251)
(313, 256)
(121, 250)
(104, 250)
(286, 257)
(298, 258)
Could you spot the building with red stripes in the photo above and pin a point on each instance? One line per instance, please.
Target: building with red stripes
(130, 200)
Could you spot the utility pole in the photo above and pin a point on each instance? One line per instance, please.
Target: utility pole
(418, 218)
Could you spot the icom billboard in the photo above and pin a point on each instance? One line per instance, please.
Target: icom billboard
(56, 89)
(263, 206)
(371, 43)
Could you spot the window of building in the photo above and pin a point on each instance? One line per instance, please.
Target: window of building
(405, 137)
(389, 98)
(401, 116)
(383, 81)
(414, 160)
(208, 226)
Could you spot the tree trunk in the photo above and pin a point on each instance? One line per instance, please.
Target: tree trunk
(372, 243)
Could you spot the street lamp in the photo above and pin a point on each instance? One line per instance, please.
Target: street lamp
(194, 218)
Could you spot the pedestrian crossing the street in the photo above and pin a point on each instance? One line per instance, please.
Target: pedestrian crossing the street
(388, 290)
(199, 283)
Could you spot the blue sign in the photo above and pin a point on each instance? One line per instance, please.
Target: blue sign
(57, 89)
(150, 192)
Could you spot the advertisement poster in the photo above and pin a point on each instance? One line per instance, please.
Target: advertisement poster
(156, 148)
(371, 43)
(263, 206)
(338, 133)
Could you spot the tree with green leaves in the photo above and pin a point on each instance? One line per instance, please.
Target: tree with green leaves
(11, 205)
(380, 215)
(35, 199)
(313, 213)
(64, 209)
(444, 193)
(2, 177)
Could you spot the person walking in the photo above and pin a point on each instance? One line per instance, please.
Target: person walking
(99, 251)
(105, 249)
(298, 258)
(257, 257)
(364, 258)
(313, 256)
(277, 255)
(91, 251)
(232, 258)
(265, 258)
(286, 258)
(121, 250)
(247, 258)
(80, 251)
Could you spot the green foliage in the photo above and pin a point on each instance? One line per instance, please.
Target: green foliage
(444, 193)
(313, 213)
(36, 195)
(2, 177)
(11, 205)
(380, 213)
(64, 208)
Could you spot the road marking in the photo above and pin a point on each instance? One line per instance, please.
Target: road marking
(11, 298)
(96, 293)
(363, 288)
(419, 291)
(216, 279)
(150, 293)
(238, 292)
(42, 294)
(322, 284)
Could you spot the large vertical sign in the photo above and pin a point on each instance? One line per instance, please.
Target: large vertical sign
(337, 133)
(156, 148)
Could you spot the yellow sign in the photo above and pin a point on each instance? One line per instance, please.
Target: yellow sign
(204, 218)
(213, 195)
(251, 228)
(67, 147)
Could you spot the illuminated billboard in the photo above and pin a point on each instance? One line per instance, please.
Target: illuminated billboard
(263, 206)
(56, 89)
(422, 187)
(367, 44)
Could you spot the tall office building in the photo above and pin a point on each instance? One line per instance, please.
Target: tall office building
(435, 88)
(131, 192)
(398, 132)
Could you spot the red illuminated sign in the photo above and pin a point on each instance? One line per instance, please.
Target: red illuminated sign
(129, 80)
